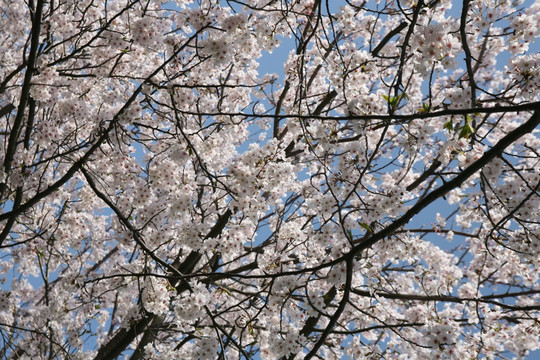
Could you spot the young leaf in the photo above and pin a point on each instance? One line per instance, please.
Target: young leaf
(449, 125)
(366, 226)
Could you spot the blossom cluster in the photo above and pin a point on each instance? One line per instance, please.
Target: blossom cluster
(163, 196)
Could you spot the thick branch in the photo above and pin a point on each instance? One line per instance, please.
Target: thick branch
(124, 337)
(278, 108)
(467, 50)
(425, 175)
(489, 155)
(405, 45)
(335, 317)
(388, 37)
(396, 118)
(443, 298)
(496, 150)
(6, 109)
(25, 93)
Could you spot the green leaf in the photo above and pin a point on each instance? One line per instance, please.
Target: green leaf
(425, 108)
(394, 101)
(366, 226)
(329, 296)
(449, 125)
(466, 130)
(226, 290)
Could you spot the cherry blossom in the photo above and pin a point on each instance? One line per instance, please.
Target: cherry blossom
(164, 196)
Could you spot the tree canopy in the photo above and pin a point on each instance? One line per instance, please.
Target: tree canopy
(164, 197)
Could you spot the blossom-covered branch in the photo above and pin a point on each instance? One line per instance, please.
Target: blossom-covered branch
(163, 195)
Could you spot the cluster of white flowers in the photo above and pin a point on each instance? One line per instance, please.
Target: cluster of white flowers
(155, 297)
(525, 71)
(438, 44)
(147, 31)
(142, 137)
(442, 332)
(188, 306)
(115, 40)
(292, 344)
(207, 348)
(5, 301)
(234, 22)
(526, 27)
(218, 48)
